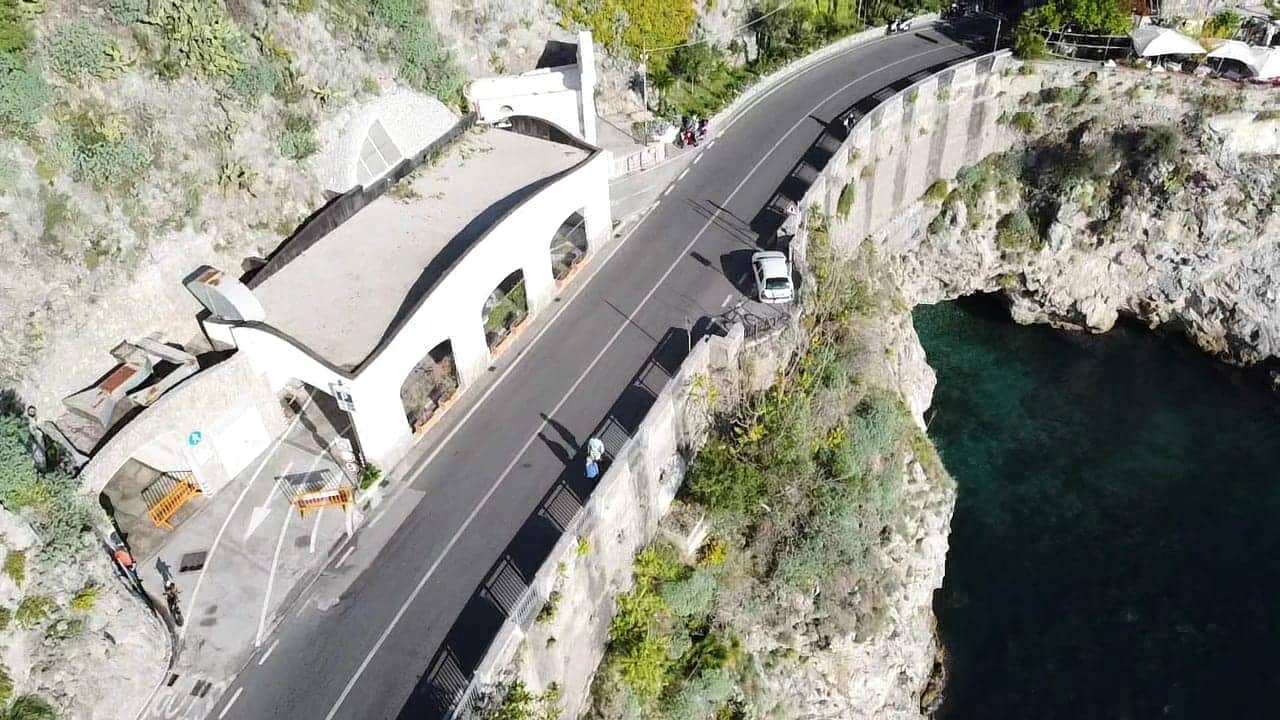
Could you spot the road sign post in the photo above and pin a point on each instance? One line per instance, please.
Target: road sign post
(347, 404)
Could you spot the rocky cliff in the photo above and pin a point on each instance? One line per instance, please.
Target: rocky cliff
(1115, 207)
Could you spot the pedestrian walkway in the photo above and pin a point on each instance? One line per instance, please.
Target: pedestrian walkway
(241, 559)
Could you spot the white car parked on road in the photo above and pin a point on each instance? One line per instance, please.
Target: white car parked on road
(773, 276)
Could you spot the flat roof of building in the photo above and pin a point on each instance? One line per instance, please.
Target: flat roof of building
(342, 294)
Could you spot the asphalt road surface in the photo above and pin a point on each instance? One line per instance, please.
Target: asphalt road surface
(408, 622)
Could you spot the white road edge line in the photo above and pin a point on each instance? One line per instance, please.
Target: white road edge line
(315, 527)
(683, 173)
(345, 555)
(699, 158)
(709, 146)
(395, 620)
(227, 708)
(727, 299)
(271, 580)
(667, 191)
(267, 654)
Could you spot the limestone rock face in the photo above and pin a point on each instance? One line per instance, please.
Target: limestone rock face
(879, 673)
(93, 660)
(1205, 261)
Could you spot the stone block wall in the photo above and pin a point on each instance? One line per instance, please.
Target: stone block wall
(592, 562)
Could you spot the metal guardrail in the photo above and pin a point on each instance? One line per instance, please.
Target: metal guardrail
(1083, 46)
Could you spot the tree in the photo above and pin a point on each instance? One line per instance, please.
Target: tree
(661, 80)
(692, 63)
(1110, 17)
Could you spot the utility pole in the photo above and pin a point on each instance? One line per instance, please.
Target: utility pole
(644, 77)
(995, 45)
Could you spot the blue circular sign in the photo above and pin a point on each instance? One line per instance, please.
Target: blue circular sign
(194, 438)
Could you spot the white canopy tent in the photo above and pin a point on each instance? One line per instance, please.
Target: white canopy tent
(1153, 41)
(1266, 63)
(1235, 50)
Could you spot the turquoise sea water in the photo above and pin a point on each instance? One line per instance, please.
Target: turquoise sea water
(1115, 549)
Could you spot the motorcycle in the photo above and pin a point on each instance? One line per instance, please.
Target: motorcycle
(171, 599)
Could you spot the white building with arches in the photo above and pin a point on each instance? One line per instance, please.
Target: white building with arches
(406, 289)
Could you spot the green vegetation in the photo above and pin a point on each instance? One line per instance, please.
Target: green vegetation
(64, 629)
(1212, 103)
(631, 26)
(1023, 121)
(15, 566)
(426, 62)
(6, 686)
(937, 191)
(5, 616)
(700, 79)
(127, 12)
(50, 500)
(1069, 96)
(33, 610)
(1267, 115)
(30, 707)
(369, 476)
(583, 548)
(23, 95)
(550, 608)
(398, 31)
(256, 80)
(800, 484)
(520, 704)
(1014, 232)
(845, 202)
(16, 17)
(1223, 25)
(298, 140)
(101, 151)
(198, 36)
(79, 48)
(85, 597)
(1104, 17)
(1028, 43)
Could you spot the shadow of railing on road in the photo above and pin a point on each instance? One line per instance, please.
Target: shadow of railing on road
(504, 594)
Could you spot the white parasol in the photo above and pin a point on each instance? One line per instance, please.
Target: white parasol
(1151, 41)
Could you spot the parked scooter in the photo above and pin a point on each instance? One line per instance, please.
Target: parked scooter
(689, 133)
(898, 25)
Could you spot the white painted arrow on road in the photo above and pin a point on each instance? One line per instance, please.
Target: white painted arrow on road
(256, 518)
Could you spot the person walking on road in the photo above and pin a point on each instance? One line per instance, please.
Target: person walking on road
(595, 452)
(171, 600)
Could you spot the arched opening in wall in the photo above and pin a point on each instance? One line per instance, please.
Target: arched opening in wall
(568, 245)
(153, 492)
(429, 386)
(504, 309)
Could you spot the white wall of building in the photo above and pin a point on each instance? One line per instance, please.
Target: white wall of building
(452, 311)
(564, 95)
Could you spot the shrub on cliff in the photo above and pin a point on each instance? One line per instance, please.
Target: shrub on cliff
(1015, 232)
(198, 37)
(845, 203)
(78, 48)
(30, 707)
(49, 500)
(23, 95)
(631, 26)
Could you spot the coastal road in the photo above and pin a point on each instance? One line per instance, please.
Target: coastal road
(366, 640)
